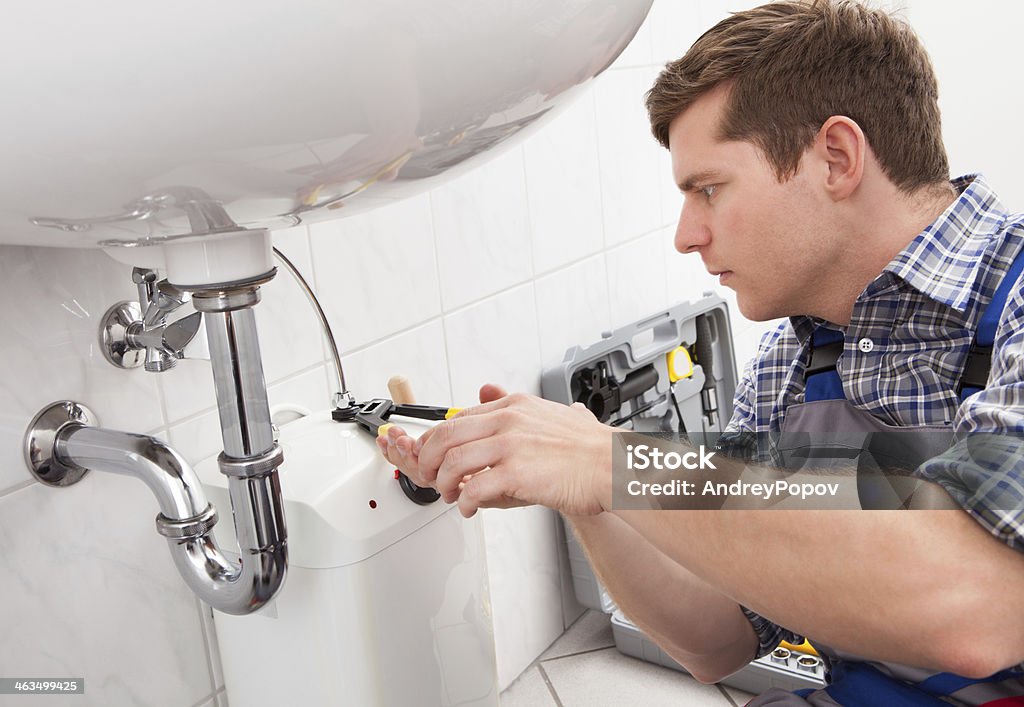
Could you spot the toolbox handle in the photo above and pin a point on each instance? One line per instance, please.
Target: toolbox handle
(655, 335)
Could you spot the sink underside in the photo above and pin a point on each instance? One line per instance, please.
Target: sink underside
(128, 125)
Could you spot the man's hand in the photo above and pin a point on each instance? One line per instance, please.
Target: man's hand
(512, 450)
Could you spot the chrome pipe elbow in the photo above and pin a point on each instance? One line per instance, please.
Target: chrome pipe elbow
(263, 563)
(164, 471)
(187, 518)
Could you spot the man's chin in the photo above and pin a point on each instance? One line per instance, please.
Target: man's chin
(756, 311)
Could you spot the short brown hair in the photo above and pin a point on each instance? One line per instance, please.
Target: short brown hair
(791, 65)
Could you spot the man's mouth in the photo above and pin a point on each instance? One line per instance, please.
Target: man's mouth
(722, 275)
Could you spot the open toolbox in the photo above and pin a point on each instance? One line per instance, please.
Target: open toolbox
(673, 373)
(677, 365)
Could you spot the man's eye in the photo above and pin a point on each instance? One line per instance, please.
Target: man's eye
(709, 191)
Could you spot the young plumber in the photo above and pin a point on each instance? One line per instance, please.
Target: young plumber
(806, 140)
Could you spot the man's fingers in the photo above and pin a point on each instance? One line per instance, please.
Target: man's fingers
(453, 433)
(490, 392)
(492, 397)
(397, 448)
(382, 445)
(488, 489)
(461, 461)
(501, 400)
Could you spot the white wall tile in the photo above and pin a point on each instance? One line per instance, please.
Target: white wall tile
(675, 25)
(483, 231)
(91, 591)
(638, 51)
(212, 644)
(494, 341)
(376, 272)
(418, 354)
(197, 438)
(306, 390)
(187, 389)
(687, 277)
(289, 330)
(524, 578)
(54, 300)
(571, 607)
(977, 139)
(636, 279)
(630, 169)
(564, 188)
(713, 11)
(671, 197)
(572, 308)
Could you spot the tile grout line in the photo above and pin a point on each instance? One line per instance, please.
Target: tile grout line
(573, 655)
(207, 643)
(455, 310)
(11, 490)
(192, 417)
(440, 300)
(721, 688)
(551, 688)
(205, 700)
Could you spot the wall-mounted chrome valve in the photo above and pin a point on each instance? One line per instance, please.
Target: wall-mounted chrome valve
(133, 335)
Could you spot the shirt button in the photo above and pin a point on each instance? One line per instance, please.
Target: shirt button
(866, 345)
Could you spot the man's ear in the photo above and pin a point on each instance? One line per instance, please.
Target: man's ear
(841, 144)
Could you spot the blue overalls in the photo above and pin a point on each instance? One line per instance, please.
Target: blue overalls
(826, 419)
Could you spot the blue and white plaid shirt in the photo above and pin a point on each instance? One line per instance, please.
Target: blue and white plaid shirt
(920, 315)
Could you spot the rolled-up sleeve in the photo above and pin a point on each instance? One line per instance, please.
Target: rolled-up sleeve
(769, 634)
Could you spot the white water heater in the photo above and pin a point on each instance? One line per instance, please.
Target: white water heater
(386, 601)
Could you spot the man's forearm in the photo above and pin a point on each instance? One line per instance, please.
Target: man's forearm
(698, 626)
(918, 587)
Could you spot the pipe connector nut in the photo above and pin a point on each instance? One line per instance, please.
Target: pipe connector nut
(251, 468)
(187, 528)
(229, 296)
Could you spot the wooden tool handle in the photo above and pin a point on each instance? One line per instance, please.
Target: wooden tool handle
(401, 391)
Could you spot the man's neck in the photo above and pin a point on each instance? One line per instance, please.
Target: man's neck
(885, 226)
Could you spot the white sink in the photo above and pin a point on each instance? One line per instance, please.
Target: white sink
(131, 123)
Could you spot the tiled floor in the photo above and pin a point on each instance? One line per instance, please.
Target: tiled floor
(584, 668)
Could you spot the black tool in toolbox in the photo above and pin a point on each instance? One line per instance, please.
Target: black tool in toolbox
(669, 373)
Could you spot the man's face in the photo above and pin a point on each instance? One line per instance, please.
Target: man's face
(769, 241)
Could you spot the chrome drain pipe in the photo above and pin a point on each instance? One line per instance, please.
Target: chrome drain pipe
(62, 443)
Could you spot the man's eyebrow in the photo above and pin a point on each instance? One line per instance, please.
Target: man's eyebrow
(691, 182)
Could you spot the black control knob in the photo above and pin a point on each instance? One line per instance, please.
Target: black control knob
(422, 495)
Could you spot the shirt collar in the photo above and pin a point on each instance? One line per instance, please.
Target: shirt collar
(943, 260)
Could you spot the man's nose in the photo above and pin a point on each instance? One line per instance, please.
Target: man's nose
(692, 231)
